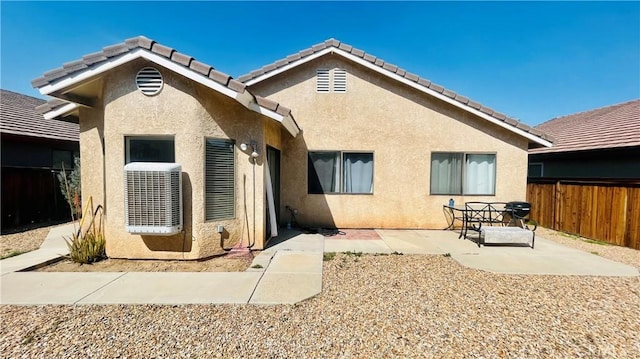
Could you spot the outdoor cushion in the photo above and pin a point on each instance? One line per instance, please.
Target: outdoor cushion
(506, 235)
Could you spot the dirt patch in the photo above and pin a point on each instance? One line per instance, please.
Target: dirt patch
(217, 264)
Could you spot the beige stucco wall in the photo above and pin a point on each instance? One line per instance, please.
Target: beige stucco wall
(402, 128)
(190, 113)
(91, 154)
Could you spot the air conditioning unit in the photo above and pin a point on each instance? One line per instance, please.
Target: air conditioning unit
(153, 198)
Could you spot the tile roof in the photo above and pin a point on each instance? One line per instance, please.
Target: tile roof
(51, 105)
(18, 116)
(607, 127)
(141, 42)
(333, 43)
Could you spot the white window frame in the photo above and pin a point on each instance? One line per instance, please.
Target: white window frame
(128, 139)
(463, 170)
(340, 171)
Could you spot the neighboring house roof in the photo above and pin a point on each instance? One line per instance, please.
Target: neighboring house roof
(349, 52)
(55, 108)
(18, 116)
(90, 66)
(607, 127)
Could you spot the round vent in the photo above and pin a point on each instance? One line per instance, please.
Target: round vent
(149, 81)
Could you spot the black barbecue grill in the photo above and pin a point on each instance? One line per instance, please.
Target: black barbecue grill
(520, 210)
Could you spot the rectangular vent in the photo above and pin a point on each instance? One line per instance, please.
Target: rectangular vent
(339, 81)
(322, 80)
(153, 198)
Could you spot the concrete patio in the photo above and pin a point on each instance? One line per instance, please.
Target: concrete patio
(291, 270)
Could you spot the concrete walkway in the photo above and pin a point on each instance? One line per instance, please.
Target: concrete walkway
(548, 258)
(291, 270)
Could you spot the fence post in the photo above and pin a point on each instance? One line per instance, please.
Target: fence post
(557, 197)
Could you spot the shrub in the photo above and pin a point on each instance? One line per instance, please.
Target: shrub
(88, 248)
(70, 187)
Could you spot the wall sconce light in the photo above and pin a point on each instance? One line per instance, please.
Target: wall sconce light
(254, 152)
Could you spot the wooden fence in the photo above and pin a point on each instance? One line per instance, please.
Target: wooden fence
(31, 196)
(606, 211)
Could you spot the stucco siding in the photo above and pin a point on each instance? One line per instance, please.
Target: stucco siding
(189, 113)
(402, 127)
(91, 155)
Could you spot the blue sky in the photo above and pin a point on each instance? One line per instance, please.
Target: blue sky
(533, 61)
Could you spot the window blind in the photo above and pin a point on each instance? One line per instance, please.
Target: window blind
(219, 179)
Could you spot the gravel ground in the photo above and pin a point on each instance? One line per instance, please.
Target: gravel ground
(371, 307)
(24, 241)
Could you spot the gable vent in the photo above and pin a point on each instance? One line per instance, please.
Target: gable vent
(339, 81)
(322, 80)
(149, 81)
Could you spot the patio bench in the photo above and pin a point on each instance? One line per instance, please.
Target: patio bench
(507, 235)
(498, 222)
(477, 215)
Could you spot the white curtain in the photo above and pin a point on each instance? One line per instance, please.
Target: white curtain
(358, 173)
(326, 169)
(446, 173)
(480, 174)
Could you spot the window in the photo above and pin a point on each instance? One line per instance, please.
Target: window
(219, 179)
(536, 169)
(149, 149)
(324, 83)
(460, 173)
(340, 172)
(61, 158)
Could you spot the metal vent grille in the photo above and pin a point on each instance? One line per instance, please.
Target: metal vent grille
(339, 81)
(153, 198)
(219, 179)
(149, 81)
(322, 80)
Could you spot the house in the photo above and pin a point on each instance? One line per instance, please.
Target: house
(600, 144)
(34, 150)
(361, 143)
(588, 184)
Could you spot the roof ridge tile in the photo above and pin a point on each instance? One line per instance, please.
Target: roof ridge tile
(114, 50)
(182, 59)
(162, 50)
(139, 41)
(145, 43)
(393, 69)
(94, 57)
(200, 67)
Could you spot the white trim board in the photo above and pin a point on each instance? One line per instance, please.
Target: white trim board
(244, 98)
(63, 110)
(405, 81)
